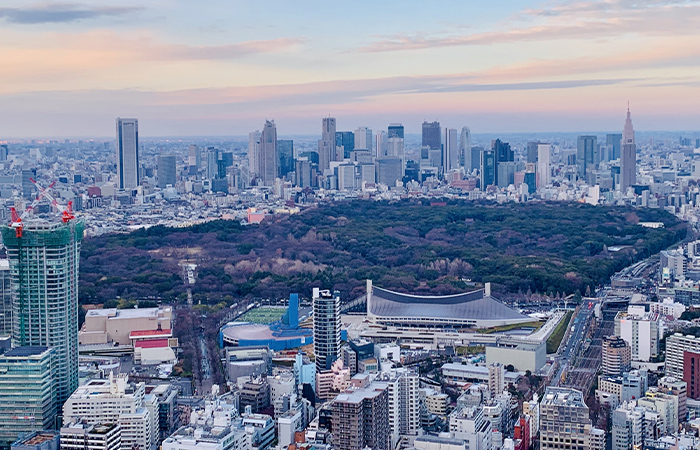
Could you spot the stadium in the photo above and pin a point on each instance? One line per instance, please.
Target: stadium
(282, 334)
(476, 309)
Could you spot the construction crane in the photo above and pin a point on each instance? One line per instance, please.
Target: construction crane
(67, 212)
(16, 222)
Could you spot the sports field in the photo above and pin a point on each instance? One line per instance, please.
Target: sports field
(263, 315)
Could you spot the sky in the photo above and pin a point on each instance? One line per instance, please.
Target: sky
(222, 67)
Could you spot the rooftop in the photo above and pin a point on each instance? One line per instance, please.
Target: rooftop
(128, 313)
(26, 351)
(562, 397)
(475, 305)
(358, 395)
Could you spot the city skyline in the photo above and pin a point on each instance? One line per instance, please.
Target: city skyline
(521, 66)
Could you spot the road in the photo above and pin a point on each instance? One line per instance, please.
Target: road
(576, 336)
(204, 385)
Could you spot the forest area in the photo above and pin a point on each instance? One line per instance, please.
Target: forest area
(408, 246)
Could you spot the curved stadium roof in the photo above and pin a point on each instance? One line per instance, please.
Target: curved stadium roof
(467, 306)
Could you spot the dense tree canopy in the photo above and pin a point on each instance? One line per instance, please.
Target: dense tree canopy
(407, 246)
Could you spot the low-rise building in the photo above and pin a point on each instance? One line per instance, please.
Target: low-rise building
(103, 326)
(82, 436)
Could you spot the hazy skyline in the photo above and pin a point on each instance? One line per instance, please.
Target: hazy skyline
(222, 68)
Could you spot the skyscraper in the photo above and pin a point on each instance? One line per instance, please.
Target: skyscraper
(327, 144)
(431, 135)
(285, 155)
(363, 139)
(346, 140)
(268, 153)
(44, 265)
(326, 327)
(628, 156)
(586, 155)
(544, 164)
(532, 151)
(212, 157)
(487, 170)
(465, 149)
(502, 154)
(28, 189)
(128, 153)
(450, 157)
(381, 143)
(167, 171)
(395, 130)
(195, 157)
(614, 141)
(253, 153)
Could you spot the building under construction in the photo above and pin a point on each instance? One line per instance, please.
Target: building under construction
(44, 258)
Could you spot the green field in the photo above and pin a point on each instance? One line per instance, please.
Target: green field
(558, 334)
(264, 315)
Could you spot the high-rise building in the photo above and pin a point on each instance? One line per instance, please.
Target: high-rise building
(532, 149)
(502, 154)
(404, 409)
(691, 373)
(326, 306)
(676, 346)
(389, 170)
(27, 398)
(544, 164)
(465, 149)
(628, 156)
(346, 140)
(586, 155)
(565, 423)
(167, 170)
(44, 264)
(476, 158)
(617, 356)
(5, 299)
(503, 151)
(395, 149)
(363, 139)
(253, 153)
(212, 157)
(4, 152)
(396, 130)
(640, 330)
(361, 418)
(497, 378)
(628, 426)
(327, 144)
(28, 188)
(117, 401)
(128, 153)
(450, 157)
(431, 135)
(381, 144)
(285, 155)
(194, 157)
(268, 153)
(614, 142)
(487, 171)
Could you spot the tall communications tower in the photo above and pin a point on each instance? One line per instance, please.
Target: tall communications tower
(44, 259)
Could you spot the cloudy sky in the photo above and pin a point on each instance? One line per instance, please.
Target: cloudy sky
(221, 67)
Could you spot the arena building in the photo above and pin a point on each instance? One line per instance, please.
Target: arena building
(283, 334)
(476, 309)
